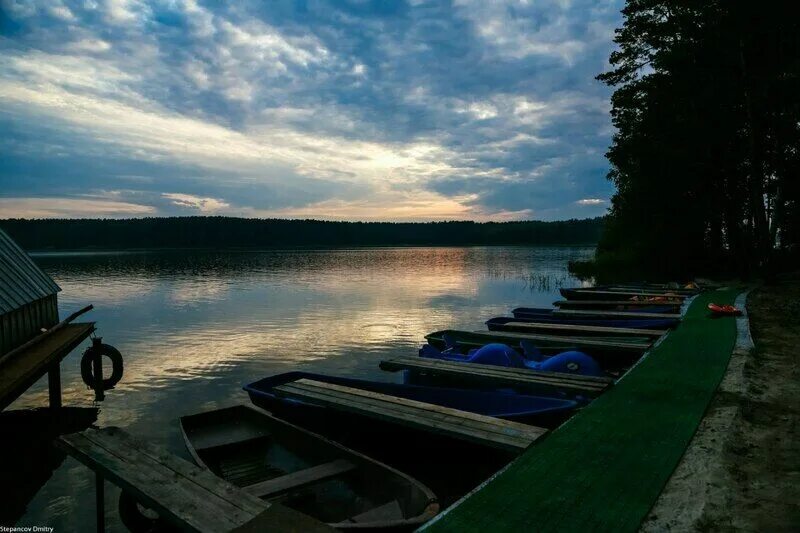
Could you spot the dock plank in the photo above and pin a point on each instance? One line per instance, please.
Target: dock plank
(615, 314)
(20, 371)
(576, 328)
(186, 496)
(501, 376)
(485, 430)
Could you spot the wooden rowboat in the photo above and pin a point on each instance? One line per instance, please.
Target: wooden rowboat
(278, 461)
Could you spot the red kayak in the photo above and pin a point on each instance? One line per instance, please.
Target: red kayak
(724, 310)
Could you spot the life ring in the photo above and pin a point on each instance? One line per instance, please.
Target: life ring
(728, 310)
(87, 364)
(132, 516)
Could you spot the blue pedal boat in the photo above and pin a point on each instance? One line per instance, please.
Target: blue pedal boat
(539, 410)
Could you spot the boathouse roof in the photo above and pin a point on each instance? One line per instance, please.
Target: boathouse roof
(21, 281)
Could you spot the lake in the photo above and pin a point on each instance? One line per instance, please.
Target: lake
(194, 327)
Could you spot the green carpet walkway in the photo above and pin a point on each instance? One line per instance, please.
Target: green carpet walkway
(604, 469)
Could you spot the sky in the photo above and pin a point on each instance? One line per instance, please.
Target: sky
(345, 110)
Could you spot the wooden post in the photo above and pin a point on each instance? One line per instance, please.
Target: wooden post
(100, 503)
(97, 369)
(54, 385)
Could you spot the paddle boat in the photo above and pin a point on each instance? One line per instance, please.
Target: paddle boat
(497, 354)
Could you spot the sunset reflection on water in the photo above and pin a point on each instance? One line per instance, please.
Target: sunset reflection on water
(194, 327)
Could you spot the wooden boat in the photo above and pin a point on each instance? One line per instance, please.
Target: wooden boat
(502, 323)
(525, 408)
(278, 461)
(621, 305)
(610, 293)
(548, 316)
(476, 339)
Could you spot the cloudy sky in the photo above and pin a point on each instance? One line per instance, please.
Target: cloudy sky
(348, 109)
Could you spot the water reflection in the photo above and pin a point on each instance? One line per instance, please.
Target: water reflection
(194, 327)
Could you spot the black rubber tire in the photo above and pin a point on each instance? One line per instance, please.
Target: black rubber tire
(132, 517)
(87, 370)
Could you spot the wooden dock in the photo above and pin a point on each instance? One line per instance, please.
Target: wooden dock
(485, 430)
(490, 375)
(581, 342)
(557, 329)
(21, 369)
(614, 314)
(185, 496)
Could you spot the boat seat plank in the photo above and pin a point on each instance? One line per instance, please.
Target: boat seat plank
(20, 370)
(229, 434)
(485, 430)
(301, 478)
(587, 342)
(387, 511)
(547, 326)
(625, 292)
(501, 376)
(615, 314)
(612, 303)
(188, 497)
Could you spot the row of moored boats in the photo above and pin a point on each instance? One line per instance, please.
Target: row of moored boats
(317, 455)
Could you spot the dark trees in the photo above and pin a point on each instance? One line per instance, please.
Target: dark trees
(707, 149)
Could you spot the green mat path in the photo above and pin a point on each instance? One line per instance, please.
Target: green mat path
(604, 469)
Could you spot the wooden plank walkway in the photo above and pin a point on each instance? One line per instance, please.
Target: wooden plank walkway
(21, 370)
(557, 329)
(614, 314)
(186, 496)
(604, 469)
(491, 375)
(581, 342)
(485, 430)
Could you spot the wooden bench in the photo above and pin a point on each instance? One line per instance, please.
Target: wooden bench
(578, 329)
(501, 376)
(20, 370)
(494, 432)
(580, 342)
(185, 496)
(614, 314)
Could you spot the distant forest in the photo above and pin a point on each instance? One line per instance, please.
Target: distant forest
(226, 232)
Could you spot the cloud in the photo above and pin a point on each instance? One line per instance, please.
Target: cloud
(69, 208)
(591, 201)
(204, 205)
(331, 109)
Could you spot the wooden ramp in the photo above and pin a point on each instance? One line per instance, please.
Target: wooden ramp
(20, 370)
(581, 342)
(558, 329)
(185, 496)
(485, 430)
(615, 314)
(604, 304)
(491, 375)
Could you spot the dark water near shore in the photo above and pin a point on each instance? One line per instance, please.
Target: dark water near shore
(195, 326)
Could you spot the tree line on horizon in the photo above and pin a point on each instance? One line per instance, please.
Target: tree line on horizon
(706, 155)
(231, 233)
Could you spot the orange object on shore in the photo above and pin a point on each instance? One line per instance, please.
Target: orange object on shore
(724, 309)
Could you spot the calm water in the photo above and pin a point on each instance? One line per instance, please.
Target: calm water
(194, 327)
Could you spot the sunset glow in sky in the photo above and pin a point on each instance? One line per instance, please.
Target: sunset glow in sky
(350, 109)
